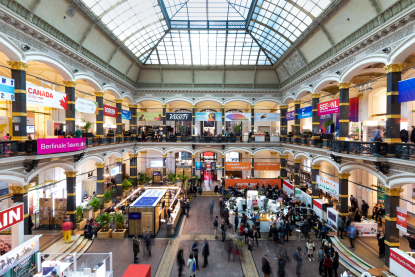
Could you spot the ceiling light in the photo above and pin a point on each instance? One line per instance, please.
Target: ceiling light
(386, 50)
(75, 70)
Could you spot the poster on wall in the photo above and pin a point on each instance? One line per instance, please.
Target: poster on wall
(405, 221)
(144, 116)
(305, 112)
(267, 117)
(237, 116)
(86, 106)
(127, 115)
(21, 253)
(208, 116)
(328, 186)
(267, 166)
(4, 125)
(179, 116)
(304, 197)
(380, 193)
(290, 116)
(198, 165)
(7, 89)
(237, 166)
(46, 97)
(332, 216)
(110, 111)
(328, 107)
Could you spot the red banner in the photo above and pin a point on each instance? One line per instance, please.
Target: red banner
(328, 107)
(401, 219)
(11, 216)
(251, 183)
(110, 111)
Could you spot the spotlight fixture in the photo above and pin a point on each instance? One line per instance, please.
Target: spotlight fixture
(338, 72)
(75, 70)
(26, 47)
(386, 50)
(107, 170)
(104, 83)
(310, 85)
(122, 92)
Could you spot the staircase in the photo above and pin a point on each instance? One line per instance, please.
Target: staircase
(78, 245)
(210, 194)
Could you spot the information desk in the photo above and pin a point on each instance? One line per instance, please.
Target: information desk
(259, 137)
(366, 228)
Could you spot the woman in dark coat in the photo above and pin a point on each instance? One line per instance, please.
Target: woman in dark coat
(381, 243)
(281, 266)
(180, 261)
(335, 264)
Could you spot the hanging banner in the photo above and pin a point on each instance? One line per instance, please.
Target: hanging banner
(60, 145)
(198, 165)
(86, 106)
(251, 183)
(267, 166)
(328, 186)
(289, 116)
(406, 90)
(401, 219)
(11, 216)
(179, 116)
(237, 166)
(208, 116)
(305, 112)
(267, 117)
(144, 116)
(381, 193)
(237, 117)
(7, 89)
(328, 107)
(110, 111)
(318, 208)
(19, 254)
(127, 115)
(354, 109)
(46, 97)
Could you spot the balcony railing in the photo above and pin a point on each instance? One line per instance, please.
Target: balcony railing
(359, 147)
(9, 148)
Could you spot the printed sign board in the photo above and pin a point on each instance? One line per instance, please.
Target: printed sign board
(110, 111)
(60, 145)
(86, 106)
(46, 97)
(11, 216)
(6, 89)
(328, 185)
(179, 116)
(328, 107)
(267, 117)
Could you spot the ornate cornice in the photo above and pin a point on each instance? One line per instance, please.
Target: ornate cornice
(393, 67)
(343, 175)
(70, 174)
(393, 192)
(16, 65)
(344, 85)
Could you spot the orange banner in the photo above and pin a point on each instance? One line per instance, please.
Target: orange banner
(237, 166)
(251, 183)
(267, 166)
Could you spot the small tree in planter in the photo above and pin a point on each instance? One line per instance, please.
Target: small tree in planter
(96, 205)
(119, 233)
(80, 221)
(104, 220)
(107, 196)
(141, 178)
(172, 178)
(88, 126)
(183, 178)
(179, 129)
(126, 185)
(238, 129)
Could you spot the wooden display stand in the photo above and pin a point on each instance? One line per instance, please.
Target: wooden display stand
(59, 212)
(156, 178)
(45, 211)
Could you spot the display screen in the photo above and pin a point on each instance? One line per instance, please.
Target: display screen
(332, 216)
(209, 123)
(115, 171)
(156, 164)
(30, 129)
(134, 216)
(156, 173)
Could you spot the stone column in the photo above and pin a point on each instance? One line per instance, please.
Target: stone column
(71, 195)
(133, 122)
(143, 161)
(283, 171)
(283, 123)
(252, 166)
(118, 136)
(164, 169)
(223, 170)
(193, 165)
(223, 121)
(315, 118)
(119, 177)
(297, 164)
(133, 169)
(100, 182)
(70, 112)
(391, 232)
(19, 104)
(20, 196)
(100, 117)
(194, 123)
(297, 125)
(393, 107)
(164, 124)
(343, 193)
(315, 171)
(344, 111)
(252, 123)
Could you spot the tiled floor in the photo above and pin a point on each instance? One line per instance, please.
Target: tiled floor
(199, 220)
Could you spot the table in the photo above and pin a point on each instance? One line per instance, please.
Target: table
(376, 271)
(366, 228)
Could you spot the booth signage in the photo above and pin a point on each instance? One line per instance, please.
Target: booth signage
(46, 97)
(237, 116)
(406, 90)
(60, 145)
(144, 116)
(127, 115)
(267, 117)
(305, 112)
(251, 183)
(400, 263)
(110, 111)
(7, 89)
(267, 166)
(15, 256)
(198, 165)
(208, 116)
(328, 107)
(237, 166)
(318, 208)
(86, 106)
(304, 197)
(405, 221)
(289, 116)
(179, 116)
(328, 186)
(156, 163)
(11, 216)
(287, 187)
(332, 216)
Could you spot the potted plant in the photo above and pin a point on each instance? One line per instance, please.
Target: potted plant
(96, 205)
(183, 178)
(107, 196)
(171, 178)
(111, 136)
(119, 233)
(327, 124)
(80, 221)
(141, 178)
(179, 129)
(88, 134)
(104, 220)
(126, 136)
(238, 129)
(126, 185)
(304, 138)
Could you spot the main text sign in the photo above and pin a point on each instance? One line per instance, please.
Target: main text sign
(60, 145)
(328, 107)
(328, 185)
(11, 216)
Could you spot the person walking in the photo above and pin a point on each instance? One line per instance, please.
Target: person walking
(215, 226)
(411, 240)
(365, 208)
(67, 230)
(351, 232)
(191, 264)
(281, 266)
(327, 266)
(187, 207)
(223, 229)
(381, 243)
(236, 222)
(195, 252)
(148, 243)
(281, 232)
(335, 264)
(266, 267)
(340, 226)
(205, 253)
(180, 261)
(30, 225)
(321, 260)
(298, 257)
(310, 249)
(211, 206)
(136, 248)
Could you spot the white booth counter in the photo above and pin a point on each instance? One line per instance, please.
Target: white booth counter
(366, 228)
(259, 137)
(275, 138)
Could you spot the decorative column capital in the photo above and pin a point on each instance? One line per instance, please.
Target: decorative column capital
(99, 165)
(133, 156)
(252, 106)
(316, 95)
(315, 166)
(99, 94)
(118, 101)
(393, 192)
(344, 176)
(164, 156)
(16, 65)
(223, 156)
(193, 106)
(284, 157)
(132, 106)
(223, 106)
(193, 156)
(69, 84)
(393, 67)
(163, 106)
(283, 107)
(119, 160)
(343, 85)
(70, 174)
(143, 152)
(19, 190)
(297, 102)
(360, 95)
(297, 161)
(252, 156)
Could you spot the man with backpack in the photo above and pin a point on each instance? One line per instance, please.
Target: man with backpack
(195, 252)
(352, 233)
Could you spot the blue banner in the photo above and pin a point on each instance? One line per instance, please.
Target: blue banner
(146, 201)
(406, 90)
(305, 112)
(126, 115)
(198, 165)
(184, 156)
(7, 89)
(208, 116)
